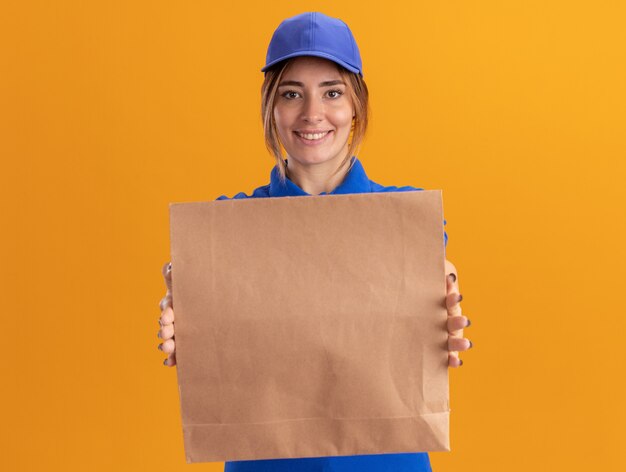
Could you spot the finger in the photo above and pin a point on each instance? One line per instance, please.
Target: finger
(453, 360)
(167, 317)
(168, 346)
(167, 275)
(453, 303)
(456, 325)
(452, 284)
(166, 301)
(166, 332)
(458, 344)
(170, 361)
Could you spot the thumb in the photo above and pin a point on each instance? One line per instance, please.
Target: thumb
(167, 275)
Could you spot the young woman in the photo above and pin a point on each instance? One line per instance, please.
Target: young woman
(315, 106)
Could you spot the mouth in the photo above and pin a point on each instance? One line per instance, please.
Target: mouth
(313, 138)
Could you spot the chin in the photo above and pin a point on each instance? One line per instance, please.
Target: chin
(309, 158)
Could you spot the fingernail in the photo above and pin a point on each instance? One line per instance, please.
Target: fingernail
(460, 298)
(165, 361)
(471, 345)
(453, 277)
(160, 323)
(161, 347)
(159, 335)
(460, 362)
(469, 323)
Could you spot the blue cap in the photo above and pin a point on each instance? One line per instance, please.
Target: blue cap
(314, 34)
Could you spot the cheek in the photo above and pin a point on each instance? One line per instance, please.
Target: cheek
(281, 119)
(341, 113)
(342, 118)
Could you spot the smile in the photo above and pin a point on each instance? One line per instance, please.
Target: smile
(312, 138)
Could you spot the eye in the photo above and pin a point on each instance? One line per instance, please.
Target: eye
(290, 94)
(335, 93)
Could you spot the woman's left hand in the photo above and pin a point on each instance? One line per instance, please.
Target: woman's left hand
(456, 321)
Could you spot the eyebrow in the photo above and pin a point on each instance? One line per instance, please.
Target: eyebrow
(327, 83)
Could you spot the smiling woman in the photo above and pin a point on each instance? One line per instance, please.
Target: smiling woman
(313, 117)
(315, 108)
(308, 96)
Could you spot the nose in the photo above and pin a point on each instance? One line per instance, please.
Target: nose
(313, 109)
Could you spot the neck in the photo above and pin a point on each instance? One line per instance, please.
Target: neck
(317, 178)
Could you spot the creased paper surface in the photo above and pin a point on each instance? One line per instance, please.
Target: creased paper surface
(311, 326)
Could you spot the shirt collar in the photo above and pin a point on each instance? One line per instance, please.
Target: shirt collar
(356, 181)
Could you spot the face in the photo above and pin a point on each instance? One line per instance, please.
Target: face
(313, 112)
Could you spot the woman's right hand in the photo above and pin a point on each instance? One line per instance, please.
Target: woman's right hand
(167, 320)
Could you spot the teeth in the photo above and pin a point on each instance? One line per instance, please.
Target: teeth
(313, 136)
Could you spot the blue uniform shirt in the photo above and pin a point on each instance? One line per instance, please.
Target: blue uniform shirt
(356, 181)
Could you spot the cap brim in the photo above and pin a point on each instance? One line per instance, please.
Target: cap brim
(323, 55)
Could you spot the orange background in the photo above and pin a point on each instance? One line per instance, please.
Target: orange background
(110, 110)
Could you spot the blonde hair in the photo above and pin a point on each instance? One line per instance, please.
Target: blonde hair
(360, 101)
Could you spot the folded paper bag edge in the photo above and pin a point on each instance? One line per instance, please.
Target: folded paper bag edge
(258, 442)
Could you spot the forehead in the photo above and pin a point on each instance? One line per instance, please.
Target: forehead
(307, 66)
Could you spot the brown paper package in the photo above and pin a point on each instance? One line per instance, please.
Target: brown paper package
(310, 327)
